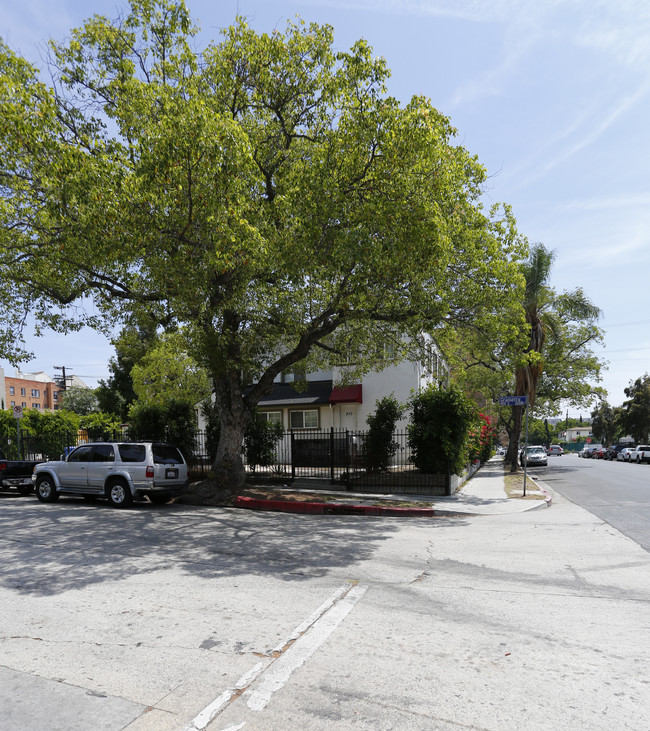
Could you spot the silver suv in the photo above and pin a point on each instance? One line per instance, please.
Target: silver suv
(119, 471)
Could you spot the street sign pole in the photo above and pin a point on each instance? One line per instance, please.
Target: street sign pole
(525, 447)
(519, 401)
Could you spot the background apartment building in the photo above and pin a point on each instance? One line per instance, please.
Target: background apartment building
(30, 390)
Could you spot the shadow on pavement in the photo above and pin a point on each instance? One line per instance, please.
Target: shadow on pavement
(49, 549)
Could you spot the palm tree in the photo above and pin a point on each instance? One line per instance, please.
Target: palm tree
(541, 307)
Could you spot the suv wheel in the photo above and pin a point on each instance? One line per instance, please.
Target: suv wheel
(119, 495)
(45, 490)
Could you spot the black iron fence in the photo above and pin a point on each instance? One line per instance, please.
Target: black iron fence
(333, 457)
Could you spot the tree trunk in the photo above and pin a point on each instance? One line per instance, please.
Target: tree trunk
(514, 434)
(234, 415)
(228, 468)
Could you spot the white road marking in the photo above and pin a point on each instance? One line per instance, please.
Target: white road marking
(302, 649)
(302, 642)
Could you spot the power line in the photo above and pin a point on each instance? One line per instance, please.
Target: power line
(64, 379)
(626, 324)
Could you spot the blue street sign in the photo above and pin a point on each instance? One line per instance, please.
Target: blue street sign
(513, 400)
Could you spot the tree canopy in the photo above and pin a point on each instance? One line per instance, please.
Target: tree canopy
(79, 399)
(266, 196)
(167, 373)
(550, 360)
(635, 412)
(605, 423)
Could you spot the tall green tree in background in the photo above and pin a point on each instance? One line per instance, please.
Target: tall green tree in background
(116, 394)
(265, 195)
(546, 354)
(168, 373)
(560, 328)
(82, 401)
(605, 423)
(635, 412)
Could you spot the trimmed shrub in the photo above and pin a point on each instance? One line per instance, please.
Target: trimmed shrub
(260, 440)
(439, 432)
(379, 447)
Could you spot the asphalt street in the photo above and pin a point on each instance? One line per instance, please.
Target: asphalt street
(179, 617)
(617, 492)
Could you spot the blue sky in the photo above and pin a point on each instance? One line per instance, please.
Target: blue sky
(553, 96)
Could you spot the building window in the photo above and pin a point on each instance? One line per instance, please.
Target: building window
(23, 392)
(274, 417)
(36, 406)
(12, 391)
(36, 393)
(13, 403)
(24, 404)
(304, 419)
(55, 395)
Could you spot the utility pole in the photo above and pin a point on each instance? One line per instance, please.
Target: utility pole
(64, 379)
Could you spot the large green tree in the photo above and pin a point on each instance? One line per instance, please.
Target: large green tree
(545, 355)
(167, 373)
(605, 423)
(116, 394)
(560, 329)
(80, 399)
(635, 412)
(266, 195)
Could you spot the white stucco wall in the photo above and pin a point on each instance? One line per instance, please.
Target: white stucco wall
(401, 380)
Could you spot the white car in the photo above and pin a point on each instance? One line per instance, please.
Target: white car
(624, 454)
(121, 472)
(533, 456)
(555, 449)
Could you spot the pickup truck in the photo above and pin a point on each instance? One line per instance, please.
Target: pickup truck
(16, 473)
(121, 472)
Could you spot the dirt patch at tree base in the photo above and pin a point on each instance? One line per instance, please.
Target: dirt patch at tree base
(207, 492)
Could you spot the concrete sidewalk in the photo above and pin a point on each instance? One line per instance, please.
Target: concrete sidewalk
(483, 494)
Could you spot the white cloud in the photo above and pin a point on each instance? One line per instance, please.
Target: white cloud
(631, 200)
(584, 131)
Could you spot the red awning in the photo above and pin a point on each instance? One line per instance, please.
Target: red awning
(346, 395)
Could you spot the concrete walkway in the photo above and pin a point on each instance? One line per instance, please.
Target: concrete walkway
(485, 494)
(482, 494)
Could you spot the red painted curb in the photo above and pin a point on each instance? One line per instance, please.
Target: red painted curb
(314, 508)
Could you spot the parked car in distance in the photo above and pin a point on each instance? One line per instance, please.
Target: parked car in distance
(501, 451)
(555, 449)
(120, 472)
(624, 454)
(612, 451)
(534, 456)
(591, 450)
(583, 452)
(641, 453)
(599, 453)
